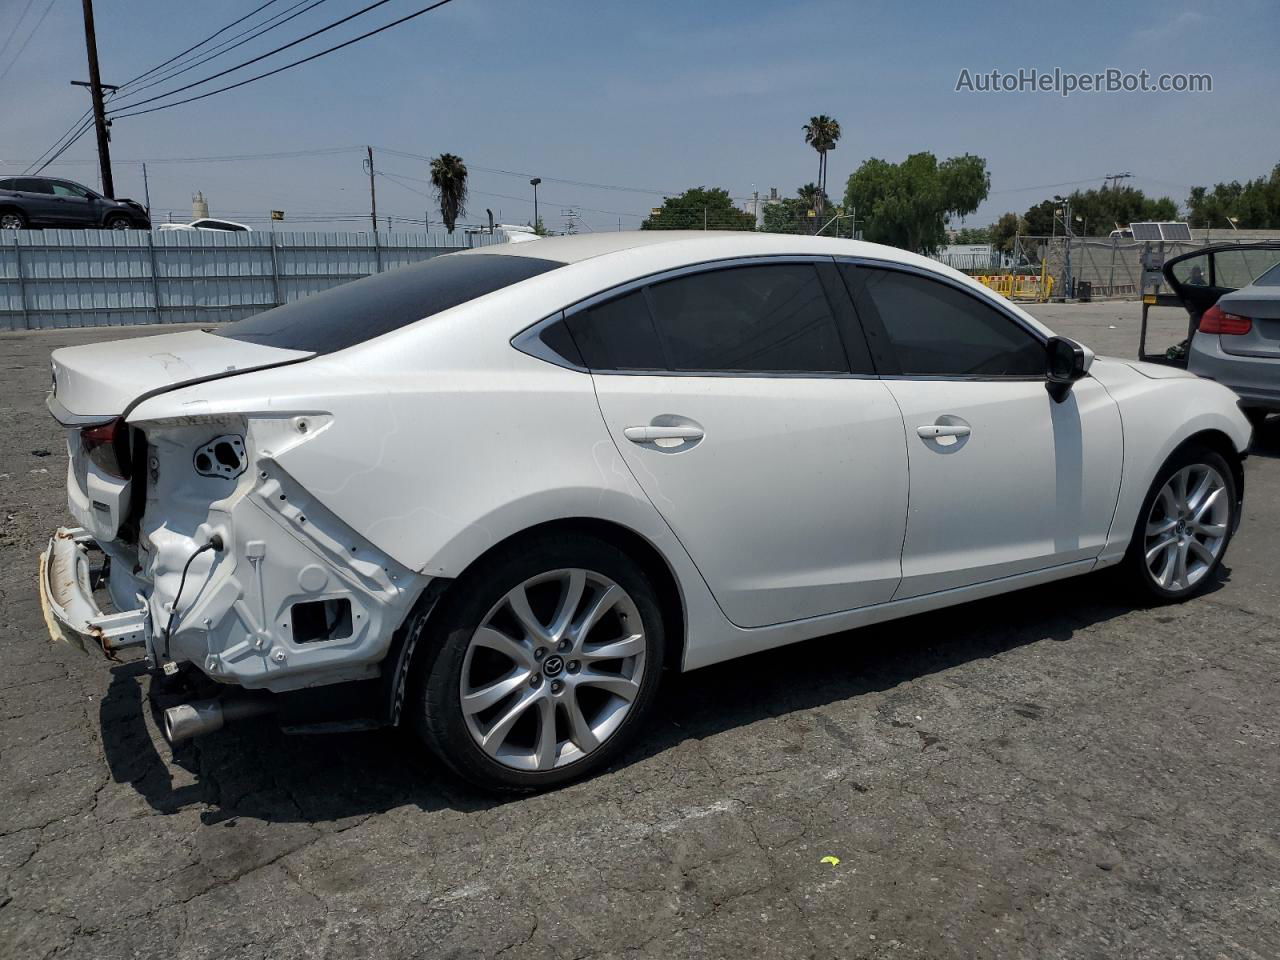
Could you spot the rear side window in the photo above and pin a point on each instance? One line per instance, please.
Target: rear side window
(618, 335)
(34, 186)
(368, 308)
(935, 329)
(769, 318)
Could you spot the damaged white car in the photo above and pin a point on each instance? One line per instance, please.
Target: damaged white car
(497, 493)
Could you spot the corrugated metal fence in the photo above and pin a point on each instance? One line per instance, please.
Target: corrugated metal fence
(83, 278)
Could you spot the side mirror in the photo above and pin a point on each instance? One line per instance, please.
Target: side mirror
(1065, 362)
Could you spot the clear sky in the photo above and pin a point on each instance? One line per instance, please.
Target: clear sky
(652, 96)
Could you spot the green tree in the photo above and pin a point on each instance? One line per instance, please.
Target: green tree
(1097, 212)
(968, 235)
(1004, 230)
(791, 214)
(1252, 205)
(908, 204)
(822, 133)
(698, 207)
(449, 177)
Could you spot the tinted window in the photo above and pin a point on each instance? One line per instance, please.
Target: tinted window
(772, 318)
(34, 186)
(936, 329)
(368, 308)
(8, 185)
(618, 335)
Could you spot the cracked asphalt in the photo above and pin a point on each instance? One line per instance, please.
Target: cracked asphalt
(1054, 773)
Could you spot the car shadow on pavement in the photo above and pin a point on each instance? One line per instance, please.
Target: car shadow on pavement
(253, 770)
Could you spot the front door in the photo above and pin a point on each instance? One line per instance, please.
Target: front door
(758, 433)
(1003, 479)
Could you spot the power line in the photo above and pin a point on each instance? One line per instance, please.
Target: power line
(161, 66)
(22, 49)
(270, 53)
(84, 128)
(516, 173)
(16, 24)
(223, 47)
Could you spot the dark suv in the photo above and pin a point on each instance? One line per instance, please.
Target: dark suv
(44, 202)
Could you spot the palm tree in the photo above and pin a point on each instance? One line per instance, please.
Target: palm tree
(449, 177)
(821, 133)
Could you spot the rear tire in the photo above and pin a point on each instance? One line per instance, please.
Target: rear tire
(1184, 527)
(540, 665)
(12, 220)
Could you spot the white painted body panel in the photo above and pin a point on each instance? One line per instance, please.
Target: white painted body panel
(1033, 485)
(440, 440)
(783, 504)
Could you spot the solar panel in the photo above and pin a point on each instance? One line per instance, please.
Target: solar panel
(1175, 231)
(1161, 230)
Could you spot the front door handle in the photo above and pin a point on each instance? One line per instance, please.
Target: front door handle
(931, 431)
(651, 433)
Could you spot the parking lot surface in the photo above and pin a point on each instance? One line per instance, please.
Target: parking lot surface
(1054, 773)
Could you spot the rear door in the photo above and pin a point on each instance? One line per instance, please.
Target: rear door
(1003, 480)
(741, 397)
(38, 204)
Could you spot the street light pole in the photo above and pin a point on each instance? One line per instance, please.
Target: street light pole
(534, 183)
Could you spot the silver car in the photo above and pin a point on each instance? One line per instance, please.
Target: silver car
(1232, 292)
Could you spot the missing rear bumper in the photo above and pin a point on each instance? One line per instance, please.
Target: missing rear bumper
(71, 613)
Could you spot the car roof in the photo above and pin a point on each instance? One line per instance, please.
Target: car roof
(702, 245)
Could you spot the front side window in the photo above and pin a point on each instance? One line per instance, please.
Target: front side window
(935, 329)
(770, 318)
(69, 190)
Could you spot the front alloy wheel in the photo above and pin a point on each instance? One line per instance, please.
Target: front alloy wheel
(540, 663)
(1187, 527)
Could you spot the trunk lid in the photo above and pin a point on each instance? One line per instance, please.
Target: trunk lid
(102, 380)
(1262, 306)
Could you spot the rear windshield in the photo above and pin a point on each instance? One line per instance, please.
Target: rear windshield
(363, 309)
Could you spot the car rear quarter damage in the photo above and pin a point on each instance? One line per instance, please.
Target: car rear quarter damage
(231, 563)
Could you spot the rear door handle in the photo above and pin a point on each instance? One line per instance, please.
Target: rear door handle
(932, 430)
(650, 433)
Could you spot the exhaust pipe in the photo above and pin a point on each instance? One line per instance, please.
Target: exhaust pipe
(199, 717)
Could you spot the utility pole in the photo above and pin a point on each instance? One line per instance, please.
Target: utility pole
(146, 190)
(534, 183)
(95, 86)
(373, 194)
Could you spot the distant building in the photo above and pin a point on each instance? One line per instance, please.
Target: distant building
(756, 205)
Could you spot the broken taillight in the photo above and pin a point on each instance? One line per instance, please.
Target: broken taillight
(107, 446)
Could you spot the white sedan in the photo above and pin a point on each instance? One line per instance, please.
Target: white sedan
(496, 494)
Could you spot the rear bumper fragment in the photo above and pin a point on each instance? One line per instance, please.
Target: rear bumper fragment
(70, 610)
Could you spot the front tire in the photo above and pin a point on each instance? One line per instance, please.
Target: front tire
(540, 664)
(118, 222)
(1184, 527)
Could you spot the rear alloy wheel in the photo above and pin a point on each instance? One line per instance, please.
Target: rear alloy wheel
(548, 665)
(1185, 525)
(12, 220)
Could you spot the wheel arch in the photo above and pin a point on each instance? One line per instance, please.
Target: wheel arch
(1219, 442)
(406, 652)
